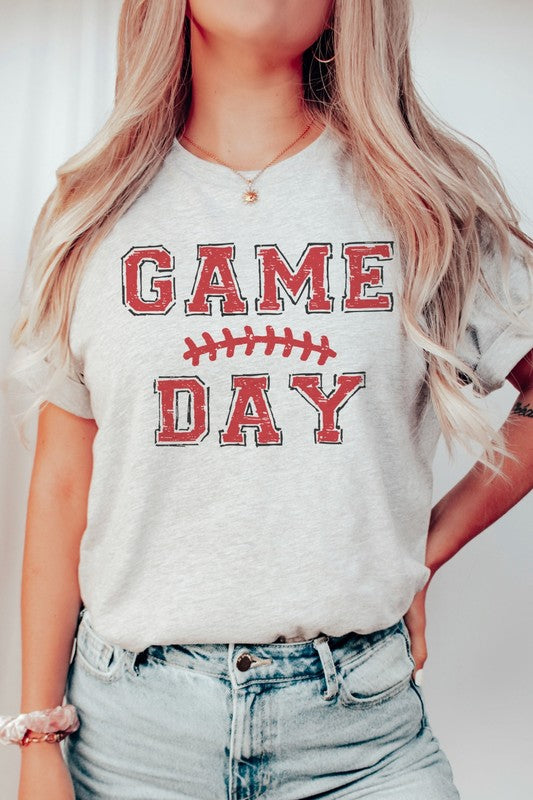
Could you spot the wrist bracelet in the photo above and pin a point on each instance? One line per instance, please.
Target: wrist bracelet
(58, 736)
(55, 723)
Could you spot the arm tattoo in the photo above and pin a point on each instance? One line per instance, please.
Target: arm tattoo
(522, 411)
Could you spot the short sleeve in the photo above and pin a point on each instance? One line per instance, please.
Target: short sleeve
(34, 378)
(68, 391)
(34, 374)
(493, 343)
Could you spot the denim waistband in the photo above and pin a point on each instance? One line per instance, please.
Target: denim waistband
(275, 660)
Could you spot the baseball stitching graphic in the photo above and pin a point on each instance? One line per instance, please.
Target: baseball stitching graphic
(270, 339)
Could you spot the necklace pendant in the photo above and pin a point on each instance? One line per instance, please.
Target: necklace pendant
(250, 196)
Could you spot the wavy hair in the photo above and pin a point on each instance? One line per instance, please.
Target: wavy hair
(446, 203)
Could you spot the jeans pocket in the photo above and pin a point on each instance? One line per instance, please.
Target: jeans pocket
(377, 673)
(98, 657)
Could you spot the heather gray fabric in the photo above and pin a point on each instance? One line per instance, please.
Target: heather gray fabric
(263, 461)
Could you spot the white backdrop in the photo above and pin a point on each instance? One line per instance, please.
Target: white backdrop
(473, 64)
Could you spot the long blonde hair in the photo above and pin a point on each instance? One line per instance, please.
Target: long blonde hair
(447, 206)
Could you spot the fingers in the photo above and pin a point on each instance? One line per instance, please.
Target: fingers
(420, 654)
(418, 675)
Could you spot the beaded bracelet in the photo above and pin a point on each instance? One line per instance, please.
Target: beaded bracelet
(54, 723)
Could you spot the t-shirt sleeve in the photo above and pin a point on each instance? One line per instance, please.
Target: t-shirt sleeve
(40, 379)
(34, 375)
(69, 391)
(492, 343)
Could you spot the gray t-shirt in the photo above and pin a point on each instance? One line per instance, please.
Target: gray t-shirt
(263, 460)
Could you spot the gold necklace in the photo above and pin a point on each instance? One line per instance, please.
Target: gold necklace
(250, 195)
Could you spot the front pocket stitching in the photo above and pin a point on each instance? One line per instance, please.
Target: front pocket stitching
(90, 633)
(349, 699)
(107, 676)
(366, 653)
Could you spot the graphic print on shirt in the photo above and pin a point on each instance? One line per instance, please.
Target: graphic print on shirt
(216, 289)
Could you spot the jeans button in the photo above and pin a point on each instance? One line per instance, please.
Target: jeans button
(244, 662)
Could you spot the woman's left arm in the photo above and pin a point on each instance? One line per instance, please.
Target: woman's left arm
(473, 504)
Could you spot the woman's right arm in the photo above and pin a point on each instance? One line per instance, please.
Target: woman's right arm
(50, 597)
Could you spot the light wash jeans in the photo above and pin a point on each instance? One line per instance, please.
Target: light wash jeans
(331, 717)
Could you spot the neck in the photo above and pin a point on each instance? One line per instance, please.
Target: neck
(245, 108)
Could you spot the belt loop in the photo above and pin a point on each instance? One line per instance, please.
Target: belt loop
(81, 615)
(130, 658)
(321, 644)
(81, 612)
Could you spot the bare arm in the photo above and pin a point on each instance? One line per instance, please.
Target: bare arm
(473, 504)
(55, 522)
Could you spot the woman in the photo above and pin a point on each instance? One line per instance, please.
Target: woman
(275, 273)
